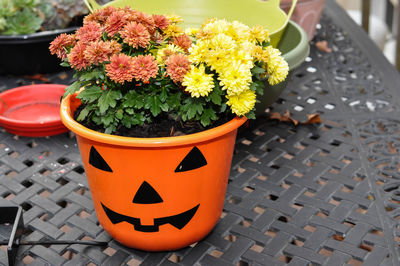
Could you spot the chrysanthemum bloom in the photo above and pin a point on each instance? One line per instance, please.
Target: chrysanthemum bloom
(177, 66)
(174, 19)
(164, 53)
(146, 20)
(120, 68)
(144, 67)
(259, 34)
(197, 82)
(278, 70)
(60, 43)
(243, 54)
(115, 22)
(276, 66)
(183, 41)
(199, 51)
(100, 15)
(235, 78)
(136, 35)
(242, 103)
(76, 57)
(89, 32)
(115, 46)
(173, 30)
(161, 21)
(98, 52)
(258, 53)
(219, 52)
(191, 31)
(238, 31)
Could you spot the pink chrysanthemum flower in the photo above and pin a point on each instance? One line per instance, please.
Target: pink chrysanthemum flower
(136, 35)
(145, 19)
(183, 41)
(59, 44)
(120, 68)
(144, 68)
(100, 15)
(115, 22)
(115, 46)
(98, 52)
(161, 22)
(76, 57)
(89, 32)
(177, 66)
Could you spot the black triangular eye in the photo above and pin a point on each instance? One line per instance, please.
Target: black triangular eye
(97, 161)
(193, 160)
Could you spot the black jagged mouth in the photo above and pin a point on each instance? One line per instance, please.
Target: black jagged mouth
(179, 221)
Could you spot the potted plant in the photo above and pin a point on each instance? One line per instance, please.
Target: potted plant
(26, 29)
(155, 109)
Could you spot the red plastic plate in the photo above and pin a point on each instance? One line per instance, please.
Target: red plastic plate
(32, 111)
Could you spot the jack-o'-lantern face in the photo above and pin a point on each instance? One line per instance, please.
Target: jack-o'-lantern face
(148, 195)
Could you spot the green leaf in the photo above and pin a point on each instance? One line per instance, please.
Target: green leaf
(174, 100)
(163, 95)
(65, 64)
(97, 73)
(107, 119)
(108, 99)
(71, 89)
(258, 87)
(257, 70)
(90, 94)
(84, 112)
(215, 97)
(207, 116)
(154, 104)
(251, 115)
(119, 114)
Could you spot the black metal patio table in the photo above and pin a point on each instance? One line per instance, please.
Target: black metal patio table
(320, 194)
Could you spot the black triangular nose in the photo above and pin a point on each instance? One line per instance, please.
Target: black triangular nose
(146, 194)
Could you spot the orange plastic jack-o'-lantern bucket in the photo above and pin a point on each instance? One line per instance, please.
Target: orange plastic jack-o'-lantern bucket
(156, 193)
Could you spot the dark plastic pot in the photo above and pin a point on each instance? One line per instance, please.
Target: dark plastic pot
(29, 54)
(295, 48)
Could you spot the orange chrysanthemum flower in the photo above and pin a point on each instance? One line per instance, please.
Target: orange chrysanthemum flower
(100, 15)
(59, 44)
(115, 46)
(161, 22)
(120, 68)
(76, 57)
(183, 41)
(136, 35)
(115, 22)
(177, 66)
(144, 68)
(89, 32)
(98, 52)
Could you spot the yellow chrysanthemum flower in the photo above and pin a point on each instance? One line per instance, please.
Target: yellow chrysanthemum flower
(197, 82)
(235, 78)
(164, 53)
(198, 51)
(258, 53)
(173, 30)
(259, 34)
(220, 52)
(278, 70)
(276, 66)
(238, 31)
(244, 54)
(174, 19)
(242, 103)
(191, 31)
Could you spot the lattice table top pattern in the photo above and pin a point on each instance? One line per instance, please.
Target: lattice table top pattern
(326, 194)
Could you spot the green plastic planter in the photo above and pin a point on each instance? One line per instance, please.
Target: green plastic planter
(195, 12)
(295, 48)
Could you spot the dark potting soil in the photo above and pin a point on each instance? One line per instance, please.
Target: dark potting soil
(162, 126)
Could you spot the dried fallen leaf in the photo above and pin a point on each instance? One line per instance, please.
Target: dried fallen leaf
(39, 77)
(323, 46)
(312, 118)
